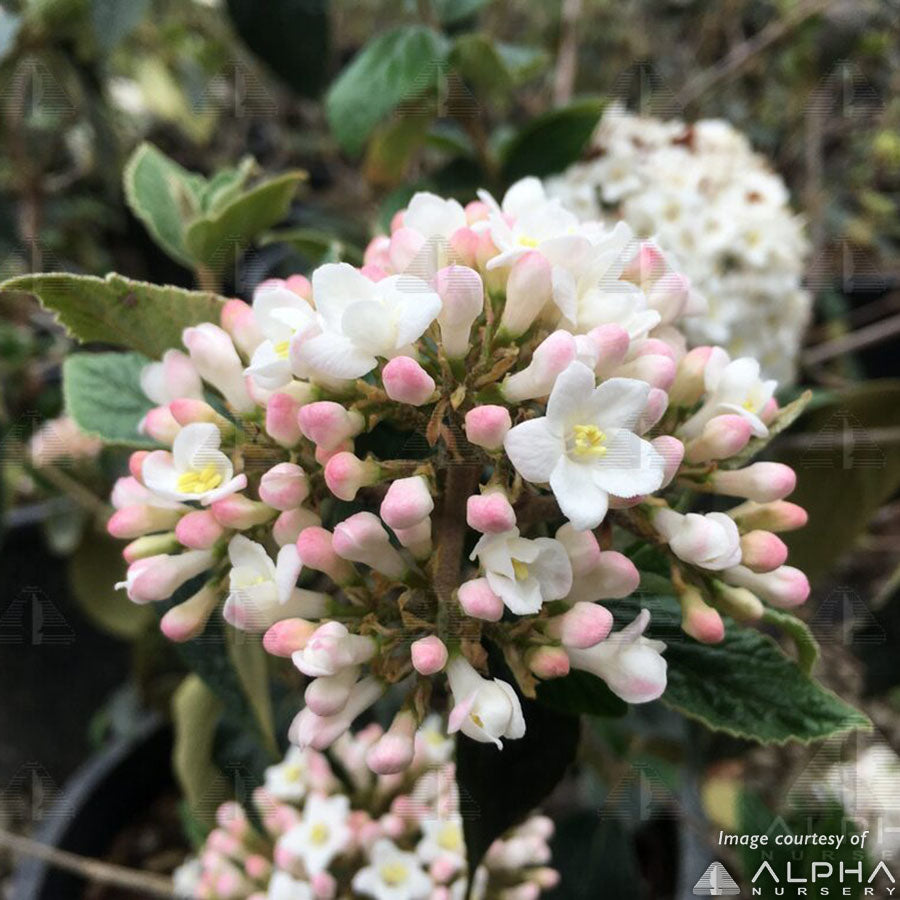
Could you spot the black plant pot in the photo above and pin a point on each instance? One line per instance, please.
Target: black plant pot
(100, 799)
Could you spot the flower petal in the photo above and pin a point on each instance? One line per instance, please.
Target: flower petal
(571, 397)
(619, 403)
(334, 355)
(335, 287)
(631, 466)
(583, 502)
(534, 448)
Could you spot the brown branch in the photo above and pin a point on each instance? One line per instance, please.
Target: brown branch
(855, 340)
(567, 57)
(460, 483)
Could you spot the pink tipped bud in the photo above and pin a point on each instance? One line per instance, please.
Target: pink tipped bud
(548, 662)
(284, 486)
(300, 285)
(464, 247)
(761, 481)
(287, 527)
(721, 438)
(429, 655)
(669, 296)
(405, 381)
(785, 587)
(134, 521)
(212, 352)
(135, 463)
(186, 410)
(281, 419)
(462, 299)
(769, 411)
(406, 246)
(186, 620)
(199, 530)
(393, 752)
(238, 320)
(780, 515)
(583, 626)
(328, 424)
(763, 551)
(657, 404)
(672, 452)
(160, 424)
(324, 885)
(477, 211)
(647, 265)
(699, 620)
(550, 358)
(345, 474)
(287, 636)
(490, 513)
(407, 502)
(654, 368)
(417, 539)
(373, 272)
(377, 252)
(689, 383)
(363, 539)
(240, 513)
(611, 343)
(478, 600)
(528, 290)
(258, 868)
(486, 426)
(582, 549)
(316, 547)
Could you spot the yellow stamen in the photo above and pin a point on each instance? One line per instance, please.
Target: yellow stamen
(748, 405)
(526, 241)
(319, 833)
(476, 719)
(393, 873)
(520, 569)
(293, 772)
(449, 837)
(589, 441)
(281, 349)
(199, 481)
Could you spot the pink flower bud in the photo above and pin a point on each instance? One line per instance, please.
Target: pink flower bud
(584, 625)
(785, 587)
(135, 463)
(672, 452)
(284, 638)
(212, 352)
(320, 732)
(393, 751)
(284, 486)
(129, 491)
(281, 419)
(657, 404)
(405, 381)
(199, 530)
(429, 655)
(689, 383)
(490, 513)
(761, 481)
(669, 296)
(239, 512)
(769, 411)
(464, 247)
(363, 539)
(238, 320)
(654, 368)
(407, 502)
(406, 246)
(133, 521)
(328, 424)
(258, 868)
(528, 290)
(158, 577)
(300, 285)
(315, 545)
(345, 474)
(698, 620)
(462, 298)
(647, 265)
(186, 410)
(581, 548)
(550, 358)
(762, 551)
(478, 600)
(186, 620)
(486, 426)
(377, 252)
(611, 344)
(548, 662)
(477, 211)
(287, 526)
(328, 694)
(612, 578)
(721, 438)
(160, 424)
(780, 515)
(416, 539)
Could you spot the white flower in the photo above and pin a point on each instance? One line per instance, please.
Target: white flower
(711, 541)
(331, 649)
(585, 446)
(484, 710)
(442, 839)
(434, 217)
(432, 743)
(288, 779)
(195, 469)
(322, 833)
(283, 886)
(630, 664)
(732, 386)
(262, 592)
(362, 320)
(524, 573)
(282, 315)
(393, 875)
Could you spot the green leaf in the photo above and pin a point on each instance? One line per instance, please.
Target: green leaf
(846, 453)
(226, 184)
(114, 20)
(164, 196)
(493, 68)
(452, 11)
(521, 62)
(249, 660)
(391, 149)
(807, 647)
(291, 36)
(398, 65)
(148, 318)
(315, 245)
(581, 693)
(498, 788)
(552, 141)
(103, 395)
(217, 240)
(195, 713)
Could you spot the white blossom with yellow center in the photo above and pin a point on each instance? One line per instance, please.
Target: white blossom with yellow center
(288, 779)
(484, 710)
(321, 835)
(392, 875)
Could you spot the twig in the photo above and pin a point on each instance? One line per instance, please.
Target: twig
(855, 340)
(461, 481)
(567, 58)
(91, 869)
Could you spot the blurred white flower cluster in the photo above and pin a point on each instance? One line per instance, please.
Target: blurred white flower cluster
(707, 198)
(335, 831)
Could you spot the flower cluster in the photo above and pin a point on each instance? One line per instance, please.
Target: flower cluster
(714, 203)
(387, 471)
(386, 837)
